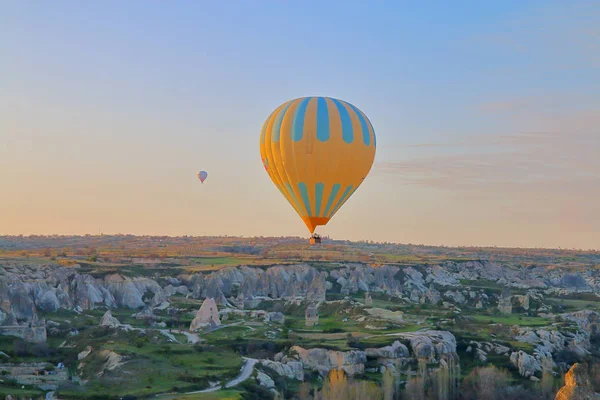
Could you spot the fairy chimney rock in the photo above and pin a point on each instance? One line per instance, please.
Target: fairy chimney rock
(207, 315)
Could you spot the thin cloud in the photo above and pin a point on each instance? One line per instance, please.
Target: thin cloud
(563, 152)
(557, 37)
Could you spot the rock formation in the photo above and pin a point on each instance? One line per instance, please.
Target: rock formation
(207, 315)
(432, 347)
(109, 320)
(505, 303)
(24, 286)
(527, 365)
(322, 360)
(368, 300)
(146, 313)
(388, 354)
(290, 369)
(311, 315)
(276, 317)
(265, 380)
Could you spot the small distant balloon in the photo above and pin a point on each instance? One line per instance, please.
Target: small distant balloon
(202, 175)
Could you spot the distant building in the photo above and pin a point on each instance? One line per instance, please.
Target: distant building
(505, 302)
(368, 299)
(311, 315)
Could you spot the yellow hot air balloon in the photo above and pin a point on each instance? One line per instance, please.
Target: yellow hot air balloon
(317, 151)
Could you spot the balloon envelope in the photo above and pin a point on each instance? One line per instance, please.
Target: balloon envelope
(202, 175)
(317, 151)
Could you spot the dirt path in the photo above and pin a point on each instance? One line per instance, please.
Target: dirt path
(191, 337)
(247, 370)
(245, 373)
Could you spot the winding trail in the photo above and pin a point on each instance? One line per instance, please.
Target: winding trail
(245, 373)
(191, 337)
(247, 370)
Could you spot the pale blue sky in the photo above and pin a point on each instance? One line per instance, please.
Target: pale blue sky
(487, 116)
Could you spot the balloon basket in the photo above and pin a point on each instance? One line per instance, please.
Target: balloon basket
(315, 239)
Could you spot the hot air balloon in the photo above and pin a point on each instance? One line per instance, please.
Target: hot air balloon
(317, 151)
(202, 175)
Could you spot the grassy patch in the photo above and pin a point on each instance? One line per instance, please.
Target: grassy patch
(512, 320)
(218, 395)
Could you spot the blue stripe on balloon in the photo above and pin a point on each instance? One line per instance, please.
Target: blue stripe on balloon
(298, 123)
(322, 120)
(294, 198)
(280, 189)
(319, 187)
(276, 128)
(334, 191)
(347, 133)
(363, 125)
(347, 197)
(293, 195)
(304, 193)
(340, 201)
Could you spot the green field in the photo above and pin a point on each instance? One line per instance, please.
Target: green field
(513, 319)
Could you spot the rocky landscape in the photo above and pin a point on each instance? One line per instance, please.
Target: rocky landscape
(428, 324)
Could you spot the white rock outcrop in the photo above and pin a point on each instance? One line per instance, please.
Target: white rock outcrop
(207, 315)
(109, 320)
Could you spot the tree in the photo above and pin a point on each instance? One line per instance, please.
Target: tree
(415, 389)
(547, 383)
(485, 383)
(594, 369)
(352, 341)
(338, 387)
(388, 384)
(335, 386)
(304, 391)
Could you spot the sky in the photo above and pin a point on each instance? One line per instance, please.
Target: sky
(487, 116)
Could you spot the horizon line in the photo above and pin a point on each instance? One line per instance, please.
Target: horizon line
(473, 247)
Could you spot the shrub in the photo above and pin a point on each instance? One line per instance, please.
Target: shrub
(485, 383)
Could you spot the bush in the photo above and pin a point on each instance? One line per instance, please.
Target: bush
(252, 391)
(198, 348)
(567, 356)
(352, 341)
(485, 383)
